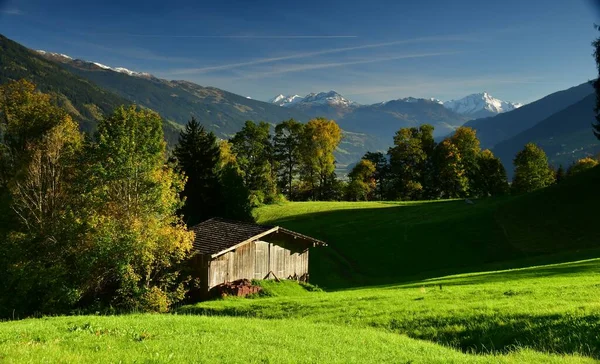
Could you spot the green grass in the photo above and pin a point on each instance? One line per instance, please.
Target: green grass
(541, 314)
(552, 308)
(386, 242)
(185, 339)
(545, 313)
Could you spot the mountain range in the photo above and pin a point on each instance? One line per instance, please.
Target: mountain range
(559, 123)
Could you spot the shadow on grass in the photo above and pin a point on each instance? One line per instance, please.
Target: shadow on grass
(560, 334)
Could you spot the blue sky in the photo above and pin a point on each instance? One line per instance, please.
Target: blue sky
(369, 51)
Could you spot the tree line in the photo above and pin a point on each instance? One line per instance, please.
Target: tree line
(101, 222)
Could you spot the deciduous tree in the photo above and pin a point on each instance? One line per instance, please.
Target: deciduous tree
(320, 139)
(531, 170)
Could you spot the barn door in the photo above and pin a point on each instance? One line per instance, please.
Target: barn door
(277, 260)
(261, 263)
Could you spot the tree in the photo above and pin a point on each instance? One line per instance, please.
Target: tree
(39, 143)
(319, 140)
(560, 174)
(286, 148)
(362, 181)
(135, 240)
(531, 170)
(197, 156)
(409, 160)
(253, 149)
(382, 173)
(491, 177)
(234, 197)
(596, 84)
(582, 165)
(465, 140)
(452, 181)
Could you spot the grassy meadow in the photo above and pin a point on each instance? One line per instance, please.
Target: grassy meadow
(403, 282)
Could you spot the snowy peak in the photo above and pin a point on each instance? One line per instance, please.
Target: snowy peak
(480, 105)
(64, 58)
(283, 100)
(331, 98)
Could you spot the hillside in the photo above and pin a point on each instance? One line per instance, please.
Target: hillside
(220, 111)
(85, 101)
(565, 136)
(493, 130)
(383, 242)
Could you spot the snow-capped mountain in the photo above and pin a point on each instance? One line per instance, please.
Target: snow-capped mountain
(64, 58)
(283, 100)
(480, 105)
(330, 98)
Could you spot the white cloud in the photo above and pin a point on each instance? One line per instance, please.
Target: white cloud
(11, 11)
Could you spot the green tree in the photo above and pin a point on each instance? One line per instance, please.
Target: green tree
(451, 177)
(465, 140)
(319, 140)
(39, 143)
(582, 165)
(234, 196)
(531, 170)
(410, 160)
(197, 155)
(134, 237)
(382, 173)
(287, 144)
(254, 152)
(362, 181)
(560, 174)
(491, 178)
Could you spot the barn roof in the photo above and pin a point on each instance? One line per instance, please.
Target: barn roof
(217, 236)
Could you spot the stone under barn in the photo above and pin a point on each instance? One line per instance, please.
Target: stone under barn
(226, 251)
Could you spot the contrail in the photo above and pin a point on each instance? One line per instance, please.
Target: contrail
(312, 54)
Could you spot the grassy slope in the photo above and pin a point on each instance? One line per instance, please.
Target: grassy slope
(543, 314)
(381, 242)
(548, 308)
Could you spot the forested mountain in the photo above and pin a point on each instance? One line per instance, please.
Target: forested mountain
(565, 136)
(493, 130)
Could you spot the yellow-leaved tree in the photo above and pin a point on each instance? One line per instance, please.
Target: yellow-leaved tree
(136, 241)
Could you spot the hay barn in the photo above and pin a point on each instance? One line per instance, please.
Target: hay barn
(226, 251)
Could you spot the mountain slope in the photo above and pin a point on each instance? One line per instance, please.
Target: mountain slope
(85, 101)
(493, 130)
(480, 105)
(565, 136)
(221, 111)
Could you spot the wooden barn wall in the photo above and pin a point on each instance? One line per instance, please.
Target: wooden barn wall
(254, 261)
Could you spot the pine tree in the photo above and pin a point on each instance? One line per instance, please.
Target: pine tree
(286, 148)
(197, 156)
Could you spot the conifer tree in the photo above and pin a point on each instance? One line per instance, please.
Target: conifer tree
(197, 155)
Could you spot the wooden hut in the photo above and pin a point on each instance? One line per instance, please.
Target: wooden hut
(225, 251)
